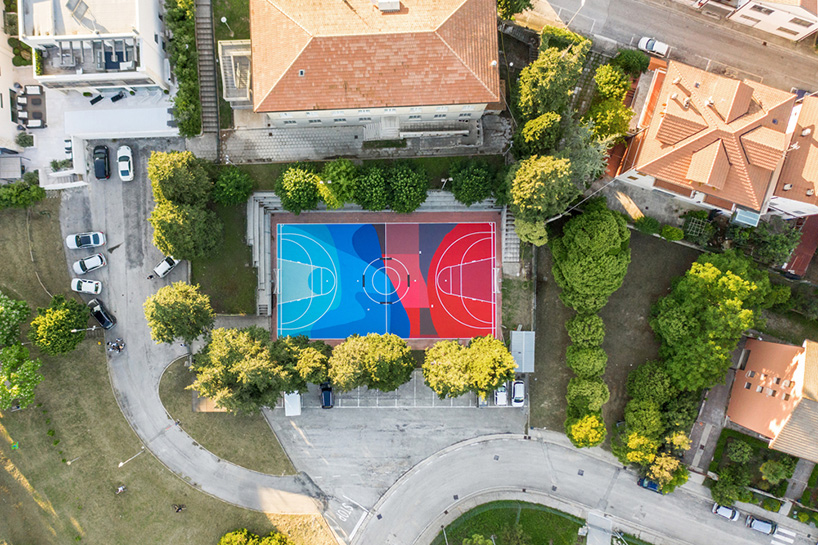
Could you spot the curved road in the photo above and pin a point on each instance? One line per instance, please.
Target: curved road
(120, 210)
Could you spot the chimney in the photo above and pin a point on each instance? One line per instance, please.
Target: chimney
(676, 81)
(388, 5)
(709, 101)
(810, 192)
(686, 102)
(806, 132)
(787, 187)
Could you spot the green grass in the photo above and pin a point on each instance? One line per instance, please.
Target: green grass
(238, 19)
(517, 297)
(228, 277)
(629, 540)
(244, 440)
(718, 454)
(544, 526)
(790, 326)
(761, 453)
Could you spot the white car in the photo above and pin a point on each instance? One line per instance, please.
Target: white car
(165, 266)
(86, 286)
(652, 45)
(501, 396)
(727, 512)
(124, 163)
(90, 263)
(85, 240)
(518, 393)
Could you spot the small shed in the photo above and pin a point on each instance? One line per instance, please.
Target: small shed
(522, 348)
(292, 404)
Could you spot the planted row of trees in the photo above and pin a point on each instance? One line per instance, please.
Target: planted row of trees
(19, 373)
(180, 18)
(590, 262)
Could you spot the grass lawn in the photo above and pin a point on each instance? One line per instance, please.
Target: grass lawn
(244, 440)
(790, 326)
(228, 277)
(517, 297)
(544, 526)
(237, 13)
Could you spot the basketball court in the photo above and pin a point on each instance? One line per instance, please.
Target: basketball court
(416, 280)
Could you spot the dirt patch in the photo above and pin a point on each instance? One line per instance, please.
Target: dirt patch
(518, 295)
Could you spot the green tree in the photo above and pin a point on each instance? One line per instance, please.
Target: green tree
(507, 9)
(612, 82)
(586, 330)
(12, 314)
(546, 84)
(20, 194)
(587, 431)
(559, 37)
(490, 364)
(232, 187)
(773, 471)
(380, 362)
(338, 180)
(477, 539)
(372, 189)
(644, 417)
(634, 448)
(631, 61)
(51, 328)
(586, 362)
(178, 177)
(298, 189)
(301, 361)
(178, 311)
(664, 469)
(185, 231)
(407, 187)
(541, 187)
(591, 259)
(588, 155)
(587, 395)
(739, 451)
(19, 376)
(542, 133)
(236, 370)
(313, 364)
(532, 232)
(445, 369)
(678, 442)
(774, 241)
(609, 119)
(244, 537)
(471, 181)
(650, 381)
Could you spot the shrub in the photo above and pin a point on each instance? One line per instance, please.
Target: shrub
(38, 62)
(338, 182)
(298, 189)
(407, 188)
(532, 232)
(24, 139)
(773, 471)
(612, 82)
(771, 504)
(372, 189)
(32, 177)
(588, 431)
(587, 395)
(232, 187)
(631, 61)
(540, 135)
(697, 229)
(672, 233)
(471, 181)
(180, 17)
(650, 381)
(739, 451)
(647, 225)
(561, 38)
(587, 363)
(20, 194)
(586, 330)
(803, 516)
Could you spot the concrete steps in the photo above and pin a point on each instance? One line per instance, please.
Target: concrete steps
(511, 242)
(208, 79)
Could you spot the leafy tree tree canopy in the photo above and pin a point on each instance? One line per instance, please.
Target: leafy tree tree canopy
(561, 38)
(372, 189)
(612, 82)
(298, 189)
(178, 311)
(546, 84)
(381, 362)
(586, 330)
(588, 431)
(586, 362)
(471, 181)
(19, 376)
(633, 62)
(541, 187)
(408, 188)
(51, 328)
(12, 314)
(233, 186)
(650, 381)
(20, 194)
(644, 417)
(532, 232)
(185, 231)
(178, 177)
(338, 178)
(490, 363)
(507, 9)
(609, 119)
(588, 395)
(739, 451)
(542, 133)
(588, 154)
(445, 369)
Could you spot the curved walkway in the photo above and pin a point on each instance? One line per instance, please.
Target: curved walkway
(120, 210)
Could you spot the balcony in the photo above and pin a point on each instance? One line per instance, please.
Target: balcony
(91, 56)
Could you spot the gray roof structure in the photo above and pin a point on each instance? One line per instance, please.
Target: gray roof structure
(522, 348)
(798, 436)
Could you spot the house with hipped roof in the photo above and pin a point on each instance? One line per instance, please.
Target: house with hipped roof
(399, 69)
(737, 146)
(775, 395)
(791, 19)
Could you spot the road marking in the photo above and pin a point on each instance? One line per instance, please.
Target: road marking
(785, 540)
(785, 531)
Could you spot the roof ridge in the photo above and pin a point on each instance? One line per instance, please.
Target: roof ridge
(287, 15)
(287, 69)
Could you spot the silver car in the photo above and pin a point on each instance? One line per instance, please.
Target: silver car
(90, 263)
(727, 512)
(85, 240)
(124, 163)
(501, 396)
(86, 286)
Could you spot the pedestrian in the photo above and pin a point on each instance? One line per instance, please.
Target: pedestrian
(150, 277)
(121, 489)
(178, 508)
(764, 44)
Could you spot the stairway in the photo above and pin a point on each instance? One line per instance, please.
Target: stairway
(511, 242)
(208, 79)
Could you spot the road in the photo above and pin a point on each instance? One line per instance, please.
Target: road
(696, 40)
(547, 470)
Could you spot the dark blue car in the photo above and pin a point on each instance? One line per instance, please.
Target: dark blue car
(644, 482)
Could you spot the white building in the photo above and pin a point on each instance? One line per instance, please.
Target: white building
(8, 117)
(91, 45)
(791, 19)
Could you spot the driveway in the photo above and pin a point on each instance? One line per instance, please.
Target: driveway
(547, 470)
(120, 210)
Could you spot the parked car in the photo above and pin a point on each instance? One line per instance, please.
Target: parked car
(124, 163)
(654, 46)
(727, 512)
(90, 263)
(644, 482)
(518, 393)
(85, 240)
(760, 525)
(86, 286)
(102, 170)
(501, 396)
(326, 395)
(101, 314)
(165, 266)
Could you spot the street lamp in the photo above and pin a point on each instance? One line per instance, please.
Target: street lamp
(581, 5)
(92, 328)
(132, 457)
(224, 20)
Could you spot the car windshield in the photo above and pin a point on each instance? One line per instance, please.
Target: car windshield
(124, 172)
(83, 266)
(650, 44)
(83, 240)
(123, 158)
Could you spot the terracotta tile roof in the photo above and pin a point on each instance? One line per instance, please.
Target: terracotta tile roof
(697, 109)
(709, 165)
(809, 5)
(800, 169)
(351, 55)
(798, 436)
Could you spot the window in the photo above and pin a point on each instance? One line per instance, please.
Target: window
(340, 120)
(301, 73)
(389, 110)
(762, 9)
(338, 112)
(364, 119)
(289, 122)
(414, 117)
(284, 114)
(786, 30)
(415, 109)
(633, 177)
(753, 19)
(747, 385)
(763, 376)
(800, 22)
(468, 108)
(786, 384)
(751, 374)
(464, 120)
(156, 38)
(771, 392)
(315, 121)
(442, 109)
(465, 115)
(309, 114)
(440, 116)
(777, 380)
(759, 389)
(786, 397)
(363, 111)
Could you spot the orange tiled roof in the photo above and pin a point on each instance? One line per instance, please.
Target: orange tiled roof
(322, 54)
(699, 111)
(800, 171)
